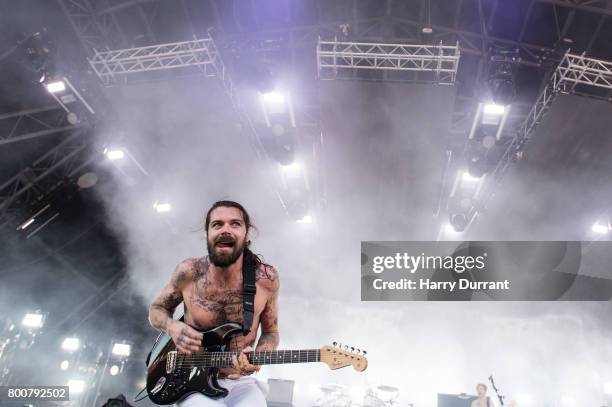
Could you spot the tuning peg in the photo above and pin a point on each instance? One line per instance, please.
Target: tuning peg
(335, 343)
(358, 350)
(345, 347)
(365, 353)
(352, 349)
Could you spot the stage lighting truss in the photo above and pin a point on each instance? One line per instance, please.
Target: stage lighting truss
(61, 162)
(34, 123)
(110, 66)
(572, 71)
(433, 63)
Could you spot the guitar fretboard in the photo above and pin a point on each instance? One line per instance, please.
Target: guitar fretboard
(224, 359)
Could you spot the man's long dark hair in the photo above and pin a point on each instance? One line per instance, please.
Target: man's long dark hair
(248, 256)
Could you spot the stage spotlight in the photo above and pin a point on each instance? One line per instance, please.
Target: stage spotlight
(484, 136)
(64, 365)
(114, 370)
(567, 401)
(467, 177)
(600, 228)
(493, 109)
(76, 386)
(291, 168)
(274, 103)
(477, 166)
(458, 221)
(274, 98)
(56, 87)
(448, 228)
(72, 118)
(26, 224)
(87, 180)
(115, 154)
(501, 72)
(162, 207)
(305, 219)
(71, 344)
(492, 115)
(121, 349)
(33, 320)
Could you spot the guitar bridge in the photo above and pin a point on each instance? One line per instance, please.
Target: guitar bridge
(171, 361)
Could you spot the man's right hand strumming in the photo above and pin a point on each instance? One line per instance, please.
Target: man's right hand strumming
(185, 338)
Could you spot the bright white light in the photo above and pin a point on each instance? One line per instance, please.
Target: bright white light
(162, 207)
(293, 167)
(305, 219)
(274, 98)
(70, 344)
(114, 154)
(568, 401)
(33, 320)
(114, 370)
(55, 87)
(76, 386)
(64, 365)
(491, 108)
(27, 223)
(607, 388)
(524, 399)
(599, 228)
(448, 228)
(121, 349)
(467, 177)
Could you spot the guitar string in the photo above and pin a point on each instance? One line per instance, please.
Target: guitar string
(227, 357)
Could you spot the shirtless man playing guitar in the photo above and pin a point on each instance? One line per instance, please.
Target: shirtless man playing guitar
(211, 289)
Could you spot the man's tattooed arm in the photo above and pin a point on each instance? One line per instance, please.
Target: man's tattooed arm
(161, 310)
(270, 337)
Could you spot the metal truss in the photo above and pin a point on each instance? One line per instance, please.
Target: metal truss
(95, 30)
(232, 93)
(203, 53)
(111, 65)
(33, 123)
(439, 61)
(41, 177)
(573, 70)
(474, 43)
(591, 6)
(578, 69)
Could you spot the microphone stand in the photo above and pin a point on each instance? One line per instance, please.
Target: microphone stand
(499, 396)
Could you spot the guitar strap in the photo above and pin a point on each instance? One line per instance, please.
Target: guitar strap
(248, 296)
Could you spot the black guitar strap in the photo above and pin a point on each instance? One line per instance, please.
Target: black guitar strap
(248, 294)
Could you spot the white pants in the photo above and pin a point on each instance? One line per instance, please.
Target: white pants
(243, 392)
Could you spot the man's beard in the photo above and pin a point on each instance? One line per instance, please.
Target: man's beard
(224, 259)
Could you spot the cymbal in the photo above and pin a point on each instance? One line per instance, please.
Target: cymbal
(387, 388)
(331, 388)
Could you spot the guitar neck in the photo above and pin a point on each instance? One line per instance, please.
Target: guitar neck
(274, 357)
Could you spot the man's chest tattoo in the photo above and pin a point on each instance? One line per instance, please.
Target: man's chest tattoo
(223, 304)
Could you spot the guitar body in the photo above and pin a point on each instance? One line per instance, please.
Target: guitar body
(169, 382)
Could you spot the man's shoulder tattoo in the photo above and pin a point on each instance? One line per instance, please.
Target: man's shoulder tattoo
(200, 268)
(267, 272)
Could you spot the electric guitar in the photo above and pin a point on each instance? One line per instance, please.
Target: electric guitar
(172, 375)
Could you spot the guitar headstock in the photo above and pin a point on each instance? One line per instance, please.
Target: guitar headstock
(338, 356)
